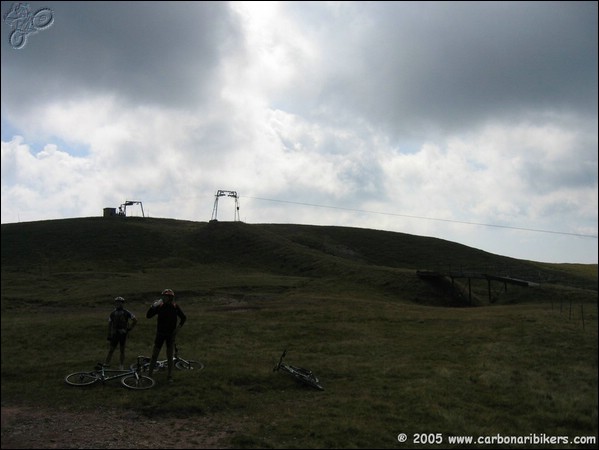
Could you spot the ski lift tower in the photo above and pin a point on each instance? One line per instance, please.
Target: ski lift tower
(221, 193)
(123, 207)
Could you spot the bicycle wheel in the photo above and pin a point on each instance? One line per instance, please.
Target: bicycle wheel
(17, 39)
(189, 365)
(135, 381)
(43, 19)
(81, 378)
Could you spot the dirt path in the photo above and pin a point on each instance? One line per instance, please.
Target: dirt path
(27, 427)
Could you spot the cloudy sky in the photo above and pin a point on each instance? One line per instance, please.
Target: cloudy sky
(472, 122)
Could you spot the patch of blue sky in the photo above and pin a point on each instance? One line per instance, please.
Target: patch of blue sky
(408, 147)
(9, 132)
(72, 149)
(477, 165)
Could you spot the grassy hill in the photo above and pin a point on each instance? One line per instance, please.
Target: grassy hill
(123, 255)
(391, 349)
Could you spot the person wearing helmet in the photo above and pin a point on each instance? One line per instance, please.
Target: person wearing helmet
(169, 313)
(118, 328)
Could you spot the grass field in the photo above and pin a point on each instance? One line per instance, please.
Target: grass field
(395, 353)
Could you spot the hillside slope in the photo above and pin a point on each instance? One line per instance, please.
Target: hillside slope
(71, 257)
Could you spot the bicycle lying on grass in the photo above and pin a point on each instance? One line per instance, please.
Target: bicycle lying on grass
(302, 375)
(131, 379)
(180, 363)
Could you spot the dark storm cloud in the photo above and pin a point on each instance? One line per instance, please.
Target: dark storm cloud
(447, 65)
(165, 53)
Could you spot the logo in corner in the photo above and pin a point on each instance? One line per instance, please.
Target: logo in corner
(25, 22)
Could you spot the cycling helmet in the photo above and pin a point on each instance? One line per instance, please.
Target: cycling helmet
(119, 299)
(168, 292)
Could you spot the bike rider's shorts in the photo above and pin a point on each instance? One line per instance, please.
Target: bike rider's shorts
(161, 338)
(118, 339)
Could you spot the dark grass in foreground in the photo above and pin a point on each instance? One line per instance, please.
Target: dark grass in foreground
(386, 367)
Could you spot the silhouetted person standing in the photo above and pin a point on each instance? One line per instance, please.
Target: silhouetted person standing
(166, 328)
(118, 329)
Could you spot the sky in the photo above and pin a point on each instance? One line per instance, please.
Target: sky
(472, 122)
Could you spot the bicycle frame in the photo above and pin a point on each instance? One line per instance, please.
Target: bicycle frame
(105, 374)
(302, 375)
(178, 362)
